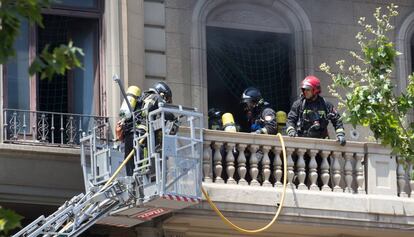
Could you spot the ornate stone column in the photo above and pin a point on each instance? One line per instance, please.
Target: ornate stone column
(218, 167)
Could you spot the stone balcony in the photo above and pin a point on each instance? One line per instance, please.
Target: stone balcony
(355, 190)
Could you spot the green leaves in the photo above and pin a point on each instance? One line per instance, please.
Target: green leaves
(57, 62)
(369, 91)
(50, 62)
(8, 221)
(11, 13)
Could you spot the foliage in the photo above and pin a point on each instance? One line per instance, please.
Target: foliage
(49, 62)
(370, 98)
(62, 58)
(8, 221)
(11, 14)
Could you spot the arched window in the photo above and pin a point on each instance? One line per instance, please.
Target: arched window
(236, 44)
(412, 53)
(405, 45)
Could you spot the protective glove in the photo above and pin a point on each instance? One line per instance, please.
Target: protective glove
(341, 139)
(292, 133)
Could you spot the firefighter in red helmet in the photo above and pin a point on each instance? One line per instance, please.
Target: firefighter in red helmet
(310, 115)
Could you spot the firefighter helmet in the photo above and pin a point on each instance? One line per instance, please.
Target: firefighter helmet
(164, 91)
(251, 98)
(251, 94)
(311, 82)
(133, 93)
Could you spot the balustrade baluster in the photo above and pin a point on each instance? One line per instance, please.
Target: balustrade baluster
(254, 171)
(300, 164)
(325, 171)
(401, 179)
(290, 164)
(218, 167)
(348, 172)
(241, 164)
(266, 166)
(313, 173)
(277, 167)
(336, 167)
(230, 163)
(359, 170)
(207, 162)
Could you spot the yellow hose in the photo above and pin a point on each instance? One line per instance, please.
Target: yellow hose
(131, 154)
(249, 231)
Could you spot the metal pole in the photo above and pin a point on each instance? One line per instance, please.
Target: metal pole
(121, 87)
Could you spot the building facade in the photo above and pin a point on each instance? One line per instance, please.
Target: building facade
(205, 48)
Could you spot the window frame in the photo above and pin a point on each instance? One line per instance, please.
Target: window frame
(94, 13)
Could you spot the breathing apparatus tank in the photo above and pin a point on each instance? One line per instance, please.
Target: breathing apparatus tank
(281, 119)
(133, 93)
(228, 122)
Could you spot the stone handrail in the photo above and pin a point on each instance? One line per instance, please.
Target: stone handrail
(313, 164)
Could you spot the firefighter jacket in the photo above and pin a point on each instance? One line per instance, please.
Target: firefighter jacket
(147, 102)
(262, 119)
(311, 118)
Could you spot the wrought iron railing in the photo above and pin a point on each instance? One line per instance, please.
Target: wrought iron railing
(48, 128)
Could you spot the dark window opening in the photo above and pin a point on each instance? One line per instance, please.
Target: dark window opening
(73, 92)
(237, 59)
(412, 53)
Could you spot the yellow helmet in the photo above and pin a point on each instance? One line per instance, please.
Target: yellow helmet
(133, 93)
(281, 117)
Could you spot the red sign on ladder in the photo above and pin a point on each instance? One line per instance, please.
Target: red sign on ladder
(152, 213)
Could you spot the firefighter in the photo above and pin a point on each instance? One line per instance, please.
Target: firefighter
(159, 93)
(261, 118)
(214, 119)
(124, 128)
(310, 115)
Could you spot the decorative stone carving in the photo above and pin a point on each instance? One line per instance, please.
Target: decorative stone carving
(241, 164)
(230, 163)
(348, 172)
(401, 180)
(300, 164)
(266, 166)
(359, 170)
(254, 171)
(277, 167)
(207, 163)
(325, 171)
(218, 167)
(336, 167)
(313, 174)
(290, 164)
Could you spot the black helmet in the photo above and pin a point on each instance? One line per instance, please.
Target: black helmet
(214, 113)
(164, 91)
(251, 94)
(251, 98)
(214, 119)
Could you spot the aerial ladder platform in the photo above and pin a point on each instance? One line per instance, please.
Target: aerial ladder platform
(167, 175)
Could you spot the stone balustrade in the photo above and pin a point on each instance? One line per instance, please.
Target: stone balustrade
(312, 164)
